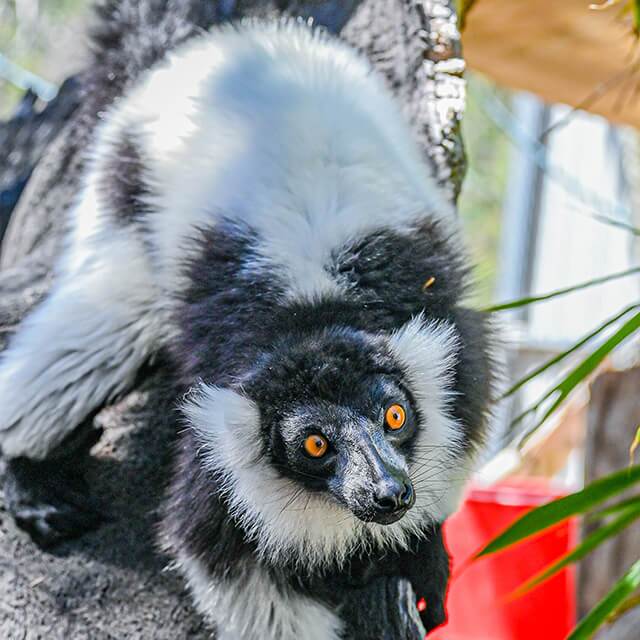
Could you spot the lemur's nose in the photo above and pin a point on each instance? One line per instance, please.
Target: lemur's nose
(393, 497)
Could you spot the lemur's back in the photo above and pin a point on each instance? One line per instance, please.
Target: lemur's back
(271, 125)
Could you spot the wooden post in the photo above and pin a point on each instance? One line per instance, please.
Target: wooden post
(613, 417)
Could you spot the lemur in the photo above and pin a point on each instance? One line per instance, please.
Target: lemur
(256, 207)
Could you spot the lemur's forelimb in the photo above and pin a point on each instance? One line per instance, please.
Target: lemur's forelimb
(426, 565)
(77, 350)
(81, 347)
(398, 578)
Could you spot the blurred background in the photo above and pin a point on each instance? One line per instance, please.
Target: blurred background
(550, 202)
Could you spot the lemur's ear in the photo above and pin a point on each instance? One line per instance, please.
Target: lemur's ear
(226, 424)
(403, 271)
(216, 413)
(428, 353)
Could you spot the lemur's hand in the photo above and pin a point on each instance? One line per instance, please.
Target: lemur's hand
(383, 610)
(432, 614)
(426, 565)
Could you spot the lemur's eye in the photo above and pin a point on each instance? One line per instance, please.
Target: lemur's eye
(316, 445)
(395, 417)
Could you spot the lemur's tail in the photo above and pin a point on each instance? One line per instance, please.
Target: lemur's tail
(131, 35)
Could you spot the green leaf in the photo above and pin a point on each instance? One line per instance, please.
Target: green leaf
(608, 605)
(554, 512)
(635, 7)
(563, 389)
(631, 602)
(593, 540)
(634, 445)
(556, 359)
(614, 508)
(514, 304)
(462, 9)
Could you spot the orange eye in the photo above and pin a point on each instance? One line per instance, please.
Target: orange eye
(395, 417)
(316, 446)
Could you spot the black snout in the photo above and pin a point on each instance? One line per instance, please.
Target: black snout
(393, 499)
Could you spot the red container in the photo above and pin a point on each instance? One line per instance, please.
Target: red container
(478, 604)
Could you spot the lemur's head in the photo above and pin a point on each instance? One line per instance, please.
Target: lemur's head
(337, 416)
(336, 427)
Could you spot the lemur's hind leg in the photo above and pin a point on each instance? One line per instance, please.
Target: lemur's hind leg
(78, 350)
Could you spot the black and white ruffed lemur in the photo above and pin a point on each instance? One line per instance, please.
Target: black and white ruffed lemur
(256, 206)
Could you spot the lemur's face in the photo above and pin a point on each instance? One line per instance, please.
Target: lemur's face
(338, 417)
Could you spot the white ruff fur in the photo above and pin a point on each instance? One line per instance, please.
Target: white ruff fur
(254, 607)
(310, 528)
(428, 352)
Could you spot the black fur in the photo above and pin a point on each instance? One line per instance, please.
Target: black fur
(130, 36)
(124, 184)
(50, 499)
(225, 312)
(388, 270)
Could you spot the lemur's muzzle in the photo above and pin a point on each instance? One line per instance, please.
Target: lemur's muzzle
(390, 491)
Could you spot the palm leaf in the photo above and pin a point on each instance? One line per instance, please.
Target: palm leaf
(521, 302)
(595, 539)
(608, 605)
(554, 512)
(563, 389)
(615, 508)
(561, 356)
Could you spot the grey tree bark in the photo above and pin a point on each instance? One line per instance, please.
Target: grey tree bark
(114, 583)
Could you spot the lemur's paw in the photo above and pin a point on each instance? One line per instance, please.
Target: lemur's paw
(49, 501)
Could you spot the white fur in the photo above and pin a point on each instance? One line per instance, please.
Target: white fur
(81, 347)
(254, 607)
(311, 528)
(428, 351)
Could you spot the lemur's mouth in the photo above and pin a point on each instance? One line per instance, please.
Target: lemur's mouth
(390, 518)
